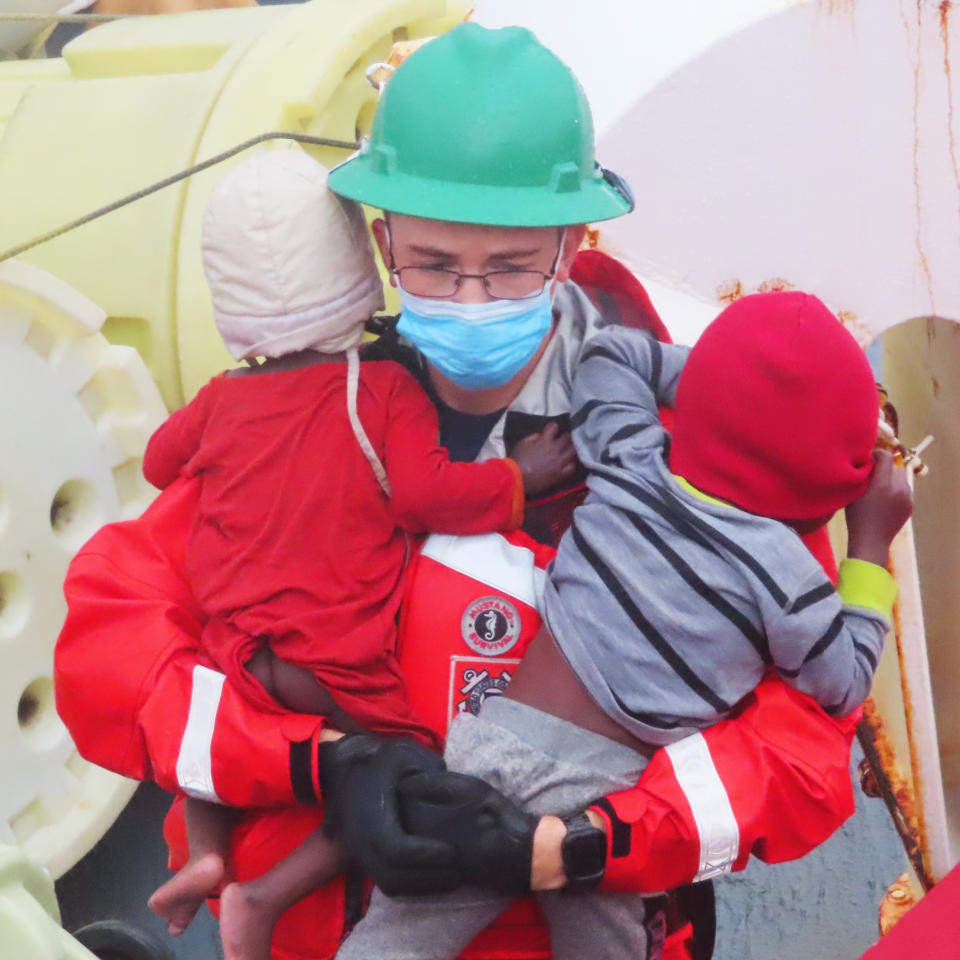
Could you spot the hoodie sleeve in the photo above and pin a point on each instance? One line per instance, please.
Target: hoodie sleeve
(431, 493)
(176, 441)
(622, 379)
(827, 642)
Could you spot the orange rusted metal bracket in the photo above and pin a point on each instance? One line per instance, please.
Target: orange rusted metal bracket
(897, 797)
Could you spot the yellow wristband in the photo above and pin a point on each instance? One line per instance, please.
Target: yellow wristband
(864, 584)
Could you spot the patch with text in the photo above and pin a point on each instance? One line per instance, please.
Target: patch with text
(472, 680)
(490, 626)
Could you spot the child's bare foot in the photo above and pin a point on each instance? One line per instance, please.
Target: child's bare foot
(246, 923)
(179, 899)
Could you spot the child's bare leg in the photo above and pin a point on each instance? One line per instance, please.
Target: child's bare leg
(208, 832)
(249, 911)
(298, 689)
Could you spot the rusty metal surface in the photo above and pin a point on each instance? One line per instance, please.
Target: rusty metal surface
(893, 787)
(896, 902)
(899, 788)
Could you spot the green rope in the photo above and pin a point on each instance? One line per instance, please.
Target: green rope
(175, 178)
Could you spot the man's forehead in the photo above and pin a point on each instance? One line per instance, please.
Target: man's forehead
(453, 238)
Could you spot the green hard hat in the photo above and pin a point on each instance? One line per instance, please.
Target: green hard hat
(484, 126)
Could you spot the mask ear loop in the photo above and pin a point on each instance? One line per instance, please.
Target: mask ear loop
(556, 259)
(391, 266)
(556, 263)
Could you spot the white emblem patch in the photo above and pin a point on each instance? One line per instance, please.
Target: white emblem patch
(490, 626)
(473, 680)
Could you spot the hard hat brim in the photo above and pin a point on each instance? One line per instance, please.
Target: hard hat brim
(484, 204)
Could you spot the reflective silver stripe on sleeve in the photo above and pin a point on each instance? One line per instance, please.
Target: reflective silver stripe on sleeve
(493, 560)
(194, 765)
(712, 813)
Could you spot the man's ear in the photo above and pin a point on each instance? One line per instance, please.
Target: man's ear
(572, 238)
(382, 236)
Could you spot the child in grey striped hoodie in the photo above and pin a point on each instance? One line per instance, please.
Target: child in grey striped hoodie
(683, 578)
(681, 581)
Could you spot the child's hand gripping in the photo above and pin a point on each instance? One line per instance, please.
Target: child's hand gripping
(874, 519)
(544, 458)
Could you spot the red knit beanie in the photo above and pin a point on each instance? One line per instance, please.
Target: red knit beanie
(777, 409)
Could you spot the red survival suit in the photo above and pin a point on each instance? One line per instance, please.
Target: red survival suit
(138, 699)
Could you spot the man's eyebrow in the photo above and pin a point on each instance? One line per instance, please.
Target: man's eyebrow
(438, 253)
(435, 252)
(515, 254)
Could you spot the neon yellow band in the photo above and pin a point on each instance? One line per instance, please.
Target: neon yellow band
(690, 488)
(864, 584)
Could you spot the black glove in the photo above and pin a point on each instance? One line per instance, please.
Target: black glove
(493, 837)
(359, 777)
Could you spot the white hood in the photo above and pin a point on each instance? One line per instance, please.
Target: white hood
(289, 264)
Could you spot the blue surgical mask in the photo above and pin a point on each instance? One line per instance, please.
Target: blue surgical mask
(476, 345)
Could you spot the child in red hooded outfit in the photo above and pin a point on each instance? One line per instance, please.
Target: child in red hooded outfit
(681, 581)
(313, 470)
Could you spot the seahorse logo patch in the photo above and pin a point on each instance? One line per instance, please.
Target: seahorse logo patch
(490, 626)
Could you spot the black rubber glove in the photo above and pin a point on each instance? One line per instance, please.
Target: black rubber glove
(360, 775)
(493, 837)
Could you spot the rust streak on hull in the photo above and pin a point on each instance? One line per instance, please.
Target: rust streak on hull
(924, 264)
(944, 12)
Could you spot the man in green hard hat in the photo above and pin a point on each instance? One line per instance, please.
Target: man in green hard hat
(481, 156)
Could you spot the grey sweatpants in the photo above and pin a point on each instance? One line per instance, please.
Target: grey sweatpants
(549, 766)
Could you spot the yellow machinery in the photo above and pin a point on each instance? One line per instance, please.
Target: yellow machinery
(107, 326)
(29, 918)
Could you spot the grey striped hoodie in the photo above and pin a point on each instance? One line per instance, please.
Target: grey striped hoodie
(670, 606)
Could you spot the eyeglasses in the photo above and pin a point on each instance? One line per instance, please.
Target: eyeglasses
(438, 282)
